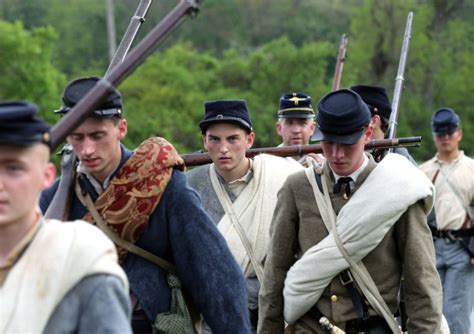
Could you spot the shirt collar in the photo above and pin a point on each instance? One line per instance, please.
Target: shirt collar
(99, 187)
(442, 162)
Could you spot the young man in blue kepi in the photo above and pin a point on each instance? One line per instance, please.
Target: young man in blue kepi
(452, 173)
(344, 234)
(296, 124)
(54, 277)
(239, 193)
(144, 200)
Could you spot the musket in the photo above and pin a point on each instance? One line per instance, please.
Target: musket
(128, 37)
(198, 159)
(341, 57)
(392, 123)
(392, 130)
(328, 326)
(118, 73)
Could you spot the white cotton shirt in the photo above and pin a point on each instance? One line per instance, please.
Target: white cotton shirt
(450, 212)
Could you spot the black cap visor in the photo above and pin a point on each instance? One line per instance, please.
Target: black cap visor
(105, 113)
(340, 138)
(445, 130)
(296, 114)
(233, 120)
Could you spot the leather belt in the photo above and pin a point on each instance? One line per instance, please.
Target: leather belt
(373, 324)
(452, 234)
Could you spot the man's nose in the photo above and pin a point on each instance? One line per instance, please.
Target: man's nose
(88, 147)
(337, 151)
(296, 128)
(223, 148)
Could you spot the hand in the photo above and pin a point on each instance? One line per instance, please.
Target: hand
(317, 157)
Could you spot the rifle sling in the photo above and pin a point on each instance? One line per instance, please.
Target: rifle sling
(85, 198)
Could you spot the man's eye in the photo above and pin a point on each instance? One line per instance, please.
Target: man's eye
(13, 168)
(76, 138)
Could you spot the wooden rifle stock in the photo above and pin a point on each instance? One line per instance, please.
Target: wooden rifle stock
(341, 57)
(198, 159)
(118, 73)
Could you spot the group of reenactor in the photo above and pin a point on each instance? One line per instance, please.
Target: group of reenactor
(312, 244)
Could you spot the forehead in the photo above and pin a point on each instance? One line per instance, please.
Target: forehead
(20, 152)
(94, 124)
(224, 130)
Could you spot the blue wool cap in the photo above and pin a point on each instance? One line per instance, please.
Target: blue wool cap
(376, 98)
(342, 117)
(296, 105)
(19, 126)
(445, 121)
(77, 89)
(226, 111)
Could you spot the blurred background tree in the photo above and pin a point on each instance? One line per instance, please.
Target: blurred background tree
(250, 49)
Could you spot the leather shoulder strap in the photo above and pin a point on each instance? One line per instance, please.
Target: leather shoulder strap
(85, 198)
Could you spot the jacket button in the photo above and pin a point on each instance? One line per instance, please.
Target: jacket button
(334, 298)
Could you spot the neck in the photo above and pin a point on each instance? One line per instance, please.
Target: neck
(11, 235)
(236, 173)
(448, 156)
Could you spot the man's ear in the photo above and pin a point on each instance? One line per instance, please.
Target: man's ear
(250, 139)
(369, 132)
(376, 121)
(123, 128)
(49, 175)
(204, 143)
(278, 128)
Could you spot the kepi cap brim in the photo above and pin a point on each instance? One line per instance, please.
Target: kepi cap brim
(347, 139)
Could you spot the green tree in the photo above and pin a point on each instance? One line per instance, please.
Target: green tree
(439, 65)
(26, 69)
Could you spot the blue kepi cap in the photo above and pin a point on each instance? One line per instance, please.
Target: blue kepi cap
(20, 126)
(445, 121)
(342, 117)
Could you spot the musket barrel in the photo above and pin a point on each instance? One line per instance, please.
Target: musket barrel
(135, 22)
(392, 124)
(341, 57)
(198, 159)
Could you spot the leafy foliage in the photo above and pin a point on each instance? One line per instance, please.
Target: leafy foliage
(26, 69)
(255, 50)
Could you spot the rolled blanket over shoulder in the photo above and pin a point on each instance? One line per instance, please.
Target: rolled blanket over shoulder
(361, 224)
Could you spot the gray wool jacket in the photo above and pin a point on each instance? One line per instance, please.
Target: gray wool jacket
(199, 179)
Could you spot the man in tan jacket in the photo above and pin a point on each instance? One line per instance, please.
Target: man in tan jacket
(405, 249)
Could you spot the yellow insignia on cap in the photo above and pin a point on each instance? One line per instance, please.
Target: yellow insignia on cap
(46, 137)
(296, 99)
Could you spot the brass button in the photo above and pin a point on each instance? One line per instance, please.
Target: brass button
(334, 298)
